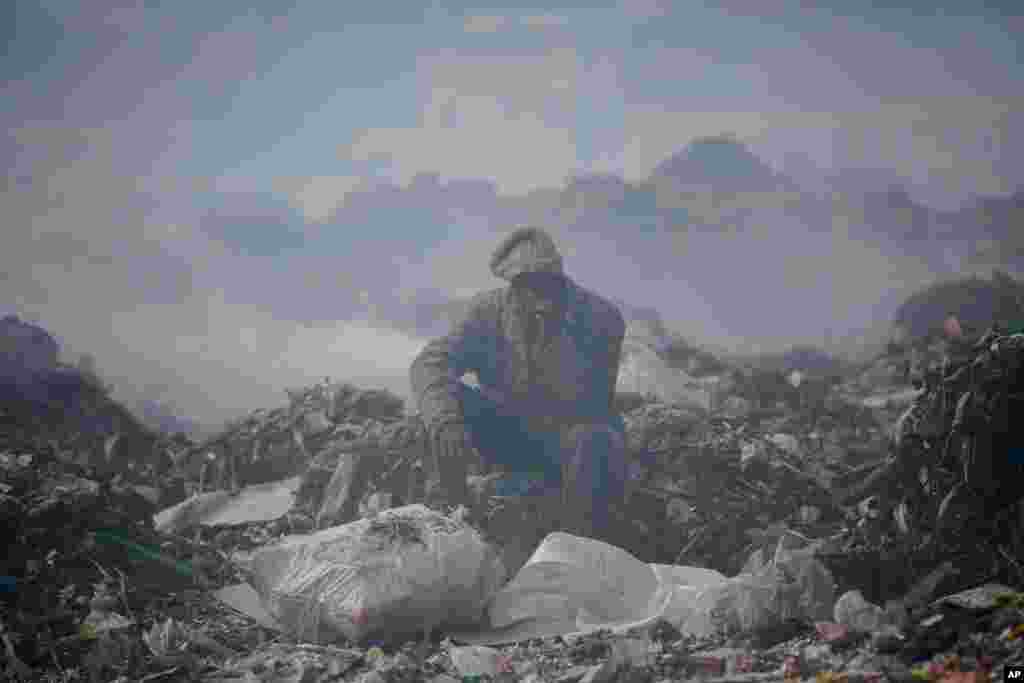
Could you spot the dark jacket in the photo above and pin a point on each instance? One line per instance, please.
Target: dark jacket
(571, 382)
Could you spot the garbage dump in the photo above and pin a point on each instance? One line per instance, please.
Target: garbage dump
(715, 490)
(742, 561)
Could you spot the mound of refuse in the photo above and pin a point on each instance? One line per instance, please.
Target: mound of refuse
(314, 556)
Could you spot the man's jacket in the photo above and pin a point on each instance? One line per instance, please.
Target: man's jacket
(570, 381)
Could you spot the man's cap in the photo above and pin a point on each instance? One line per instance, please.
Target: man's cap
(526, 250)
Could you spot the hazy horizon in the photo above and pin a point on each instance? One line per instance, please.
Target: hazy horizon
(218, 202)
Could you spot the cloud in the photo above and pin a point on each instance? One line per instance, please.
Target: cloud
(162, 303)
(249, 356)
(953, 143)
(220, 355)
(480, 23)
(493, 146)
(318, 197)
(645, 9)
(763, 9)
(541, 22)
(108, 246)
(484, 23)
(117, 263)
(507, 119)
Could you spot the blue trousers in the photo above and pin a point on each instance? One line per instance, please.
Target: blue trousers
(586, 462)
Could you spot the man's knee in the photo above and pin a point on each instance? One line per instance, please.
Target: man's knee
(600, 450)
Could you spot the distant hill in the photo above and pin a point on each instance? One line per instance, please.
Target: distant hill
(976, 301)
(807, 359)
(722, 164)
(162, 418)
(42, 396)
(697, 362)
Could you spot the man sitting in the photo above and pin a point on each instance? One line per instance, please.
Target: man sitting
(546, 355)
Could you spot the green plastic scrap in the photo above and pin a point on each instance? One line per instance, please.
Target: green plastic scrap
(115, 537)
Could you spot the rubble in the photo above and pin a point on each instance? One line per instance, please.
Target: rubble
(732, 479)
(94, 584)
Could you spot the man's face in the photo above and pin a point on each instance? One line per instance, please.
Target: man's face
(541, 293)
(543, 298)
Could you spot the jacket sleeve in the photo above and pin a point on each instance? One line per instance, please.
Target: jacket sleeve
(436, 372)
(617, 335)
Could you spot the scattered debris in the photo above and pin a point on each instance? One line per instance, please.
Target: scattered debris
(735, 576)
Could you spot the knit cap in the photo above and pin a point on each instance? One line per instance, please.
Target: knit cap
(526, 250)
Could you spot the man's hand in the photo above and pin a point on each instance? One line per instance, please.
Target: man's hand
(452, 444)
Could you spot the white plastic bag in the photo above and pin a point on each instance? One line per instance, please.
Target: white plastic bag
(644, 372)
(392, 574)
(579, 584)
(257, 503)
(191, 512)
(477, 660)
(794, 585)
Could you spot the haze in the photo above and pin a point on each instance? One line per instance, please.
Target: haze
(219, 202)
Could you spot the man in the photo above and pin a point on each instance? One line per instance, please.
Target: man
(546, 356)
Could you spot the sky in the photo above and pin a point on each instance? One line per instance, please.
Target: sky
(219, 200)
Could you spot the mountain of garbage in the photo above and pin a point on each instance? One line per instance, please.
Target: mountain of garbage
(136, 555)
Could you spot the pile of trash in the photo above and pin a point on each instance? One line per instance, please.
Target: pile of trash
(714, 490)
(958, 426)
(302, 551)
(78, 542)
(333, 454)
(318, 423)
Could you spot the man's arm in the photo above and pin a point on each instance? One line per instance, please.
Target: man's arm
(617, 335)
(437, 370)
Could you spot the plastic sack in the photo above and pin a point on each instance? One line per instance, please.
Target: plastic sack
(578, 585)
(685, 585)
(386, 576)
(476, 660)
(794, 585)
(574, 584)
(644, 372)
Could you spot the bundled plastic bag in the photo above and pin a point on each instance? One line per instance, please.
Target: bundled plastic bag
(574, 584)
(794, 585)
(578, 585)
(386, 576)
